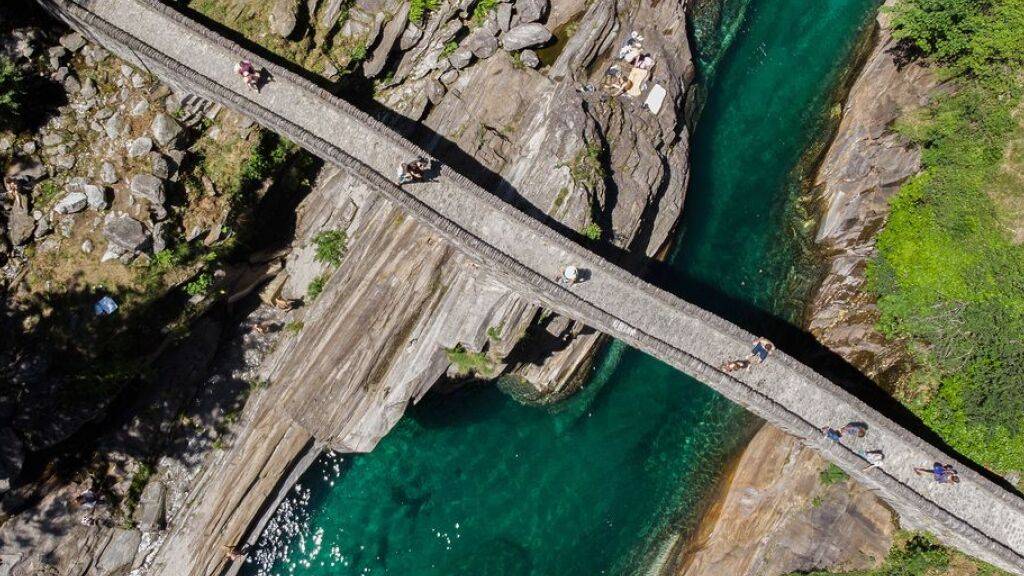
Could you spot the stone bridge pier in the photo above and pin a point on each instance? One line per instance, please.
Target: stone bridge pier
(977, 515)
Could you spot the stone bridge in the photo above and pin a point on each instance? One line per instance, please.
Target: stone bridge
(977, 515)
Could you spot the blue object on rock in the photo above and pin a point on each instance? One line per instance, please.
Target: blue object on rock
(105, 306)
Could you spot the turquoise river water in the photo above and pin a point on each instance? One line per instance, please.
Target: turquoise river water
(476, 484)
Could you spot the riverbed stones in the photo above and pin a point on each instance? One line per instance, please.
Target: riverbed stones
(114, 125)
(503, 16)
(124, 233)
(71, 203)
(159, 166)
(96, 196)
(148, 187)
(460, 58)
(525, 36)
(165, 129)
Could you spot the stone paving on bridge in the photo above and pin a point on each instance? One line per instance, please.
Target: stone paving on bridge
(976, 514)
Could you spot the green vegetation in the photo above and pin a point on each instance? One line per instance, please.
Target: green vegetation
(138, 484)
(294, 327)
(586, 169)
(331, 246)
(200, 286)
(418, 9)
(917, 554)
(948, 272)
(258, 384)
(816, 502)
(482, 9)
(48, 192)
(494, 332)
(12, 91)
(316, 286)
(470, 363)
(592, 231)
(832, 474)
(449, 47)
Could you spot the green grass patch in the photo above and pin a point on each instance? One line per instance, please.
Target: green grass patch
(468, 363)
(482, 9)
(948, 275)
(418, 9)
(832, 474)
(294, 327)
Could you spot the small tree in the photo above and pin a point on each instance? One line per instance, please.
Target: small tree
(12, 90)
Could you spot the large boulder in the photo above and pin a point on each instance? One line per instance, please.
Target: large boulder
(503, 16)
(148, 187)
(531, 10)
(482, 42)
(460, 58)
(525, 36)
(139, 146)
(20, 226)
(124, 233)
(284, 17)
(165, 129)
(73, 202)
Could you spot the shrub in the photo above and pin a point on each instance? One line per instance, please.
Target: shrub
(482, 9)
(12, 91)
(200, 286)
(467, 362)
(449, 47)
(418, 9)
(947, 275)
(331, 246)
(294, 327)
(586, 168)
(316, 287)
(592, 231)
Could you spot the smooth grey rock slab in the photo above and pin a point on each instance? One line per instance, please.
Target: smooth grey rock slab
(524, 36)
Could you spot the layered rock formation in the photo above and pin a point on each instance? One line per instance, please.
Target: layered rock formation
(791, 522)
(865, 165)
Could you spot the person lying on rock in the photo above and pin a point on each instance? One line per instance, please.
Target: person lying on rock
(735, 365)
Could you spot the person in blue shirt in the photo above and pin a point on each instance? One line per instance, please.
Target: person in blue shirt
(761, 350)
(943, 473)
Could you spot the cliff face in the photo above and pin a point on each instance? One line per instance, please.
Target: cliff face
(863, 168)
(791, 522)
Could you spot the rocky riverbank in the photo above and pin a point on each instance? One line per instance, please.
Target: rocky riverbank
(794, 517)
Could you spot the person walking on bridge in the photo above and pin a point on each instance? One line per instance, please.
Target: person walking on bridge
(943, 473)
(761, 350)
(249, 73)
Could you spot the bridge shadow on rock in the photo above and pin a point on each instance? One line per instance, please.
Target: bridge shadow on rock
(806, 349)
(358, 91)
